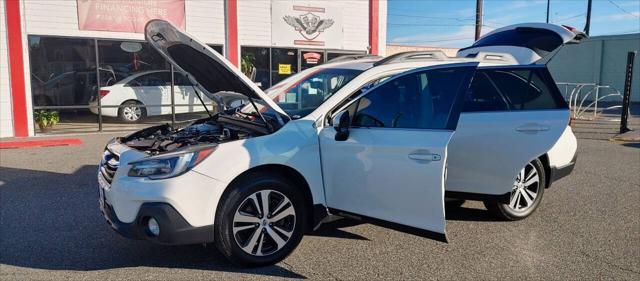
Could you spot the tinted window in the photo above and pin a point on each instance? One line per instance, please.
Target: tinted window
(541, 41)
(419, 101)
(525, 89)
(482, 95)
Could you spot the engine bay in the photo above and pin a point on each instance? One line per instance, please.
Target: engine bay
(219, 129)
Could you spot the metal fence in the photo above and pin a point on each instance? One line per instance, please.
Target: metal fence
(587, 98)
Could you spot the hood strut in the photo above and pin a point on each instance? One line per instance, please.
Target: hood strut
(267, 124)
(202, 101)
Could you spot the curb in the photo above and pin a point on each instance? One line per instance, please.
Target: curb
(14, 144)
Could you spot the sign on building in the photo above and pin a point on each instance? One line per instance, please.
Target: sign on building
(128, 15)
(306, 24)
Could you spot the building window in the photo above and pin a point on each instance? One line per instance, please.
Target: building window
(255, 64)
(217, 47)
(284, 63)
(63, 70)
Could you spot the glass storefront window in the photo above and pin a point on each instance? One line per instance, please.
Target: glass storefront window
(255, 64)
(63, 70)
(284, 63)
(135, 83)
(63, 76)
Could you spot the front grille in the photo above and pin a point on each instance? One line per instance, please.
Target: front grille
(109, 165)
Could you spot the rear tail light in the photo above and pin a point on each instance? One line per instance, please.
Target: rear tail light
(103, 93)
(570, 28)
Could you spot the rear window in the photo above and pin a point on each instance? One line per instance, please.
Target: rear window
(527, 89)
(482, 95)
(541, 41)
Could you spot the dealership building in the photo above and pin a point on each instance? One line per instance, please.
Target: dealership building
(57, 55)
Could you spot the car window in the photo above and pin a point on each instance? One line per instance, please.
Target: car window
(307, 94)
(366, 87)
(524, 89)
(154, 79)
(482, 95)
(541, 41)
(414, 101)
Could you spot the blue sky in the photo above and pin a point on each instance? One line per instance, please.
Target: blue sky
(451, 23)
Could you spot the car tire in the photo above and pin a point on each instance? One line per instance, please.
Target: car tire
(240, 217)
(131, 112)
(526, 195)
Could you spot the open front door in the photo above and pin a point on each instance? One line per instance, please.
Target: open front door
(388, 163)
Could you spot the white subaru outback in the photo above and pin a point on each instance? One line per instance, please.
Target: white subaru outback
(379, 140)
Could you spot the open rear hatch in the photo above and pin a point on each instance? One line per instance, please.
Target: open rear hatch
(205, 68)
(527, 42)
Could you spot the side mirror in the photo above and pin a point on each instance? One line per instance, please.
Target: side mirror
(341, 122)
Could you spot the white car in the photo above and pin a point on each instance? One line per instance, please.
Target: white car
(379, 140)
(142, 94)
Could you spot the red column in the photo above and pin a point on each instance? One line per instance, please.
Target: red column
(374, 22)
(16, 68)
(231, 16)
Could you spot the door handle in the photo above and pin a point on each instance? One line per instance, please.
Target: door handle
(532, 128)
(421, 156)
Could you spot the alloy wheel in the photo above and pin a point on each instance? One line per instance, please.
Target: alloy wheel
(525, 189)
(132, 113)
(264, 222)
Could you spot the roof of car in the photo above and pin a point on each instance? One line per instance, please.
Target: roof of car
(427, 57)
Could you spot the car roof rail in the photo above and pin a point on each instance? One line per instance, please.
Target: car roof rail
(352, 57)
(494, 57)
(413, 55)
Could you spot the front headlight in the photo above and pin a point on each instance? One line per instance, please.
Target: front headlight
(169, 165)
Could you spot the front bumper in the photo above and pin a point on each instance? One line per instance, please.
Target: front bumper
(183, 206)
(174, 229)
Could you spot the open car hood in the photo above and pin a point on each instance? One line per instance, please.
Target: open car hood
(527, 42)
(205, 68)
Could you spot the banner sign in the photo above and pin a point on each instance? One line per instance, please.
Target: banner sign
(309, 24)
(128, 15)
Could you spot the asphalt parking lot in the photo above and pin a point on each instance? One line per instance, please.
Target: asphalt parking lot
(588, 227)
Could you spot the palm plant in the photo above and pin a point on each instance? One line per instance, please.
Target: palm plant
(46, 119)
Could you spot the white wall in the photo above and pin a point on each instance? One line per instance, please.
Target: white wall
(6, 114)
(204, 19)
(254, 23)
(382, 28)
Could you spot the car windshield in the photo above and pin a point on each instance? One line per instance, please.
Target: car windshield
(301, 97)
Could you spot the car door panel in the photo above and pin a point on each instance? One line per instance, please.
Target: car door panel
(391, 168)
(490, 147)
(408, 155)
(485, 159)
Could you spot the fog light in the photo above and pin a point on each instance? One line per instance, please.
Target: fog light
(153, 227)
